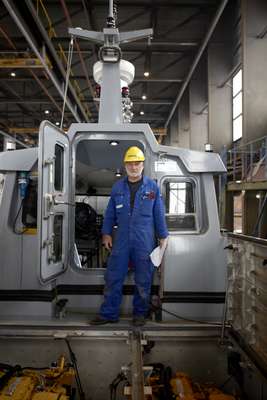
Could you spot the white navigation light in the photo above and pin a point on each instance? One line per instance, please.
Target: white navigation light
(127, 71)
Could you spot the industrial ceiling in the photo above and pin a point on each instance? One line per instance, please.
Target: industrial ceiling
(34, 44)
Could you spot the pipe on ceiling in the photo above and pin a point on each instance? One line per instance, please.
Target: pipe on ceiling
(197, 59)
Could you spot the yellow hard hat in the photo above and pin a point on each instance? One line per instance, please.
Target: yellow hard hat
(134, 154)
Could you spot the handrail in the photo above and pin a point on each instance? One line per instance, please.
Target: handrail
(247, 238)
(249, 143)
(248, 162)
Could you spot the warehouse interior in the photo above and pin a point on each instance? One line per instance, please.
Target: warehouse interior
(200, 84)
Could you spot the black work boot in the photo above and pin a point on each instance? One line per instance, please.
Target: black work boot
(98, 320)
(138, 320)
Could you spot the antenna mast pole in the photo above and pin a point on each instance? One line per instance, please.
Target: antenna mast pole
(107, 71)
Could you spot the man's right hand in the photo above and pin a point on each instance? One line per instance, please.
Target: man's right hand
(107, 242)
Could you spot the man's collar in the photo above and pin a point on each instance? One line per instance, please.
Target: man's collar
(145, 179)
(139, 180)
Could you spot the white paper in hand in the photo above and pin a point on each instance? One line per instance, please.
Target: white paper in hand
(157, 254)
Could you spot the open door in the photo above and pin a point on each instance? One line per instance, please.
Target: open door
(54, 168)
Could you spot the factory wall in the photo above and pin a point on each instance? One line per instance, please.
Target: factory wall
(254, 57)
(204, 114)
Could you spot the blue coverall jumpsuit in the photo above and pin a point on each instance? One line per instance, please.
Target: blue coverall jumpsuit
(135, 238)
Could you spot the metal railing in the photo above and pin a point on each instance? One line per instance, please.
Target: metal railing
(247, 290)
(248, 162)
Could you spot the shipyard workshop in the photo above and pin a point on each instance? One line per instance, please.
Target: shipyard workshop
(133, 200)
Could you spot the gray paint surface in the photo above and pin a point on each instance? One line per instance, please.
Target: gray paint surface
(254, 16)
(183, 122)
(194, 161)
(18, 160)
(220, 98)
(201, 260)
(197, 101)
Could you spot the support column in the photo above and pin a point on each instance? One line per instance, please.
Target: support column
(220, 65)
(137, 367)
(183, 122)
(250, 213)
(220, 98)
(173, 133)
(254, 23)
(197, 101)
(179, 127)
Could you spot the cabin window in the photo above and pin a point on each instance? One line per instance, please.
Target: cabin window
(180, 205)
(58, 236)
(59, 167)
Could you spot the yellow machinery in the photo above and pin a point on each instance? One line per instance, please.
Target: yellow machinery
(53, 383)
(158, 385)
(184, 389)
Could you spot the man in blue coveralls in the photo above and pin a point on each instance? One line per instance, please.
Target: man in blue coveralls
(136, 208)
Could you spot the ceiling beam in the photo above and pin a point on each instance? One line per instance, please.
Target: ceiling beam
(141, 3)
(133, 17)
(77, 45)
(12, 45)
(22, 62)
(12, 138)
(89, 52)
(157, 80)
(10, 6)
(7, 91)
(146, 118)
(40, 101)
(81, 77)
(182, 23)
(54, 55)
(20, 130)
(64, 40)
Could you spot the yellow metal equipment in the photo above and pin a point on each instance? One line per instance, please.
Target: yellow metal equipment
(184, 389)
(23, 62)
(29, 384)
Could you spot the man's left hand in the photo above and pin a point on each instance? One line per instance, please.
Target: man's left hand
(163, 242)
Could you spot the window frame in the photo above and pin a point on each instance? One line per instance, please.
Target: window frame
(3, 183)
(62, 147)
(234, 96)
(59, 216)
(191, 180)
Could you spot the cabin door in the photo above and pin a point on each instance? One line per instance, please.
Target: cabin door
(54, 169)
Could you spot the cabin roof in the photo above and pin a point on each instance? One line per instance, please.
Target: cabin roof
(18, 160)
